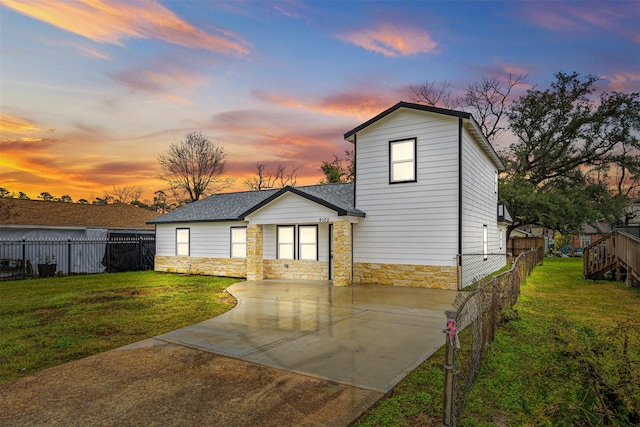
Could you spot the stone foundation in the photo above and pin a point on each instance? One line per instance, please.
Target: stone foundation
(295, 269)
(224, 267)
(417, 276)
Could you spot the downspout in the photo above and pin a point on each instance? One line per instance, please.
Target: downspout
(355, 139)
(460, 191)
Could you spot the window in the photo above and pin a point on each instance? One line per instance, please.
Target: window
(585, 240)
(402, 160)
(495, 182)
(286, 241)
(238, 242)
(308, 237)
(182, 241)
(485, 241)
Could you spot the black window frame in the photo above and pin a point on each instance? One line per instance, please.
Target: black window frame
(300, 242)
(278, 227)
(188, 241)
(415, 160)
(231, 242)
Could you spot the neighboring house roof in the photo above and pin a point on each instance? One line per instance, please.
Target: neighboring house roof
(470, 124)
(602, 228)
(40, 213)
(236, 206)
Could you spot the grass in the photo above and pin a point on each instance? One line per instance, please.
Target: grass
(48, 322)
(572, 357)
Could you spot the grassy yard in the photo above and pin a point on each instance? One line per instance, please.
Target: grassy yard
(572, 358)
(47, 322)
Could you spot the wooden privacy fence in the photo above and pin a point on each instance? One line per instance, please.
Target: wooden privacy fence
(616, 252)
(520, 245)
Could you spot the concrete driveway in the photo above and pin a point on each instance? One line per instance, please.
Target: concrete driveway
(290, 353)
(368, 336)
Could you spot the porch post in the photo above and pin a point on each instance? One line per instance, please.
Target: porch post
(255, 270)
(342, 253)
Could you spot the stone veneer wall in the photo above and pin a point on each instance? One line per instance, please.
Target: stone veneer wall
(296, 269)
(225, 267)
(255, 265)
(342, 250)
(417, 276)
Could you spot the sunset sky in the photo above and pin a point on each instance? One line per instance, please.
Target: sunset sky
(92, 91)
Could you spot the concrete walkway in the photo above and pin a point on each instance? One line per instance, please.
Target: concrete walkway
(368, 336)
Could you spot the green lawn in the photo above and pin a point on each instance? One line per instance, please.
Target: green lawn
(571, 358)
(47, 322)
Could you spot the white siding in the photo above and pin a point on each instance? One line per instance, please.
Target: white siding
(479, 208)
(408, 223)
(290, 209)
(212, 239)
(479, 199)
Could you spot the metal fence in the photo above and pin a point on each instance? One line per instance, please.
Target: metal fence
(23, 258)
(472, 325)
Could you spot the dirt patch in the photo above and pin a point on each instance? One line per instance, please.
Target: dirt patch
(171, 385)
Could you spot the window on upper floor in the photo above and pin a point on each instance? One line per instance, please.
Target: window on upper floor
(402, 161)
(238, 242)
(286, 241)
(182, 241)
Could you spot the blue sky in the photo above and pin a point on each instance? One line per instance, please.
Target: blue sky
(91, 92)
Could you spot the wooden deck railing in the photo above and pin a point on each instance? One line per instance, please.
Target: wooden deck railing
(615, 251)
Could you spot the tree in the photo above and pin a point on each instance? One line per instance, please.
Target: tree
(46, 196)
(194, 168)
(567, 142)
(66, 199)
(339, 170)
(264, 179)
(487, 100)
(124, 194)
(23, 196)
(5, 194)
(83, 202)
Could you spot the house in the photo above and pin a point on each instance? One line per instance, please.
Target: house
(422, 211)
(71, 235)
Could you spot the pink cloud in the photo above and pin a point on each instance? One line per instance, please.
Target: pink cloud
(392, 41)
(112, 21)
(359, 103)
(624, 81)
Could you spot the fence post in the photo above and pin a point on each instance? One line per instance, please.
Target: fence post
(449, 366)
(24, 258)
(69, 256)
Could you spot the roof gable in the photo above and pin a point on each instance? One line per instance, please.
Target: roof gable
(60, 214)
(470, 125)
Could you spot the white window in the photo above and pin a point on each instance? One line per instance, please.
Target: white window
(308, 237)
(485, 241)
(182, 241)
(495, 183)
(585, 240)
(402, 160)
(238, 242)
(286, 242)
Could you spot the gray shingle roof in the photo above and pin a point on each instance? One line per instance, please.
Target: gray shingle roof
(236, 206)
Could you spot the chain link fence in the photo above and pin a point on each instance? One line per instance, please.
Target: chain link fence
(472, 325)
(26, 258)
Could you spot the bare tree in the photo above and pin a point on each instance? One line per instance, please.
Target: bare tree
(434, 94)
(194, 168)
(486, 99)
(124, 194)
(264, 179)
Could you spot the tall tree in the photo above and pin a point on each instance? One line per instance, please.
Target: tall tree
(339, 170)
(194, 168)
(487, 99)
(124, 194)
(567, 140)
(45, 195)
